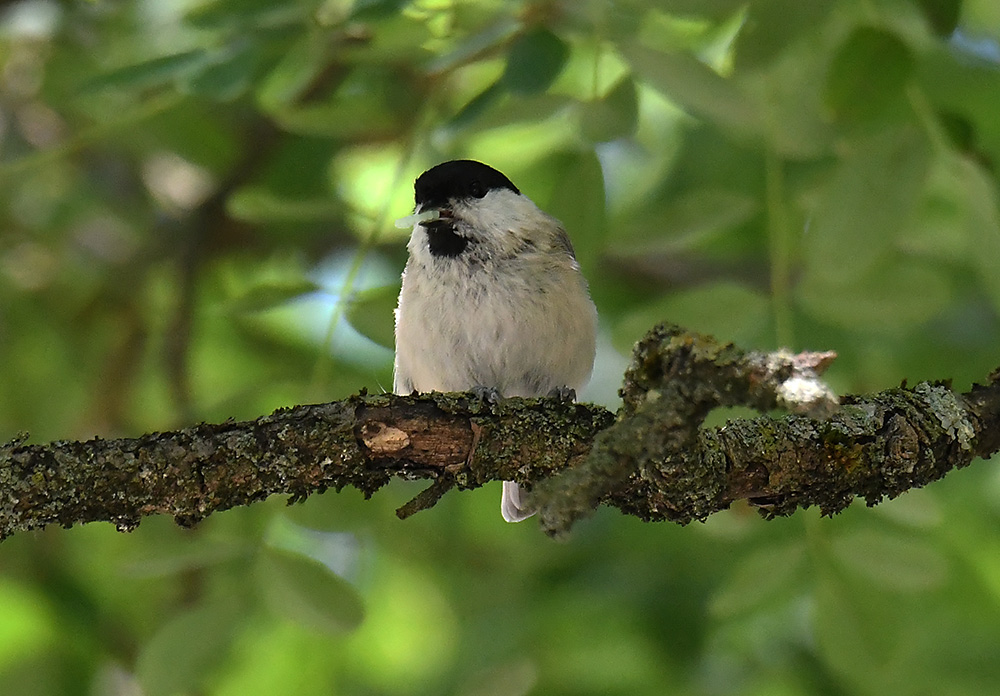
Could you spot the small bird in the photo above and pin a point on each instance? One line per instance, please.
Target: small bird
(492, 296)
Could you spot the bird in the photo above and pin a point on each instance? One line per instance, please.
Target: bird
(492, 297)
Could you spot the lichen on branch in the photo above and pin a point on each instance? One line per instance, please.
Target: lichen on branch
(653, 459)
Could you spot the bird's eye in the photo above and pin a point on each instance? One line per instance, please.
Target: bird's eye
(477, 189)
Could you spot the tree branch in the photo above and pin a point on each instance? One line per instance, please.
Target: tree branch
(653, 459)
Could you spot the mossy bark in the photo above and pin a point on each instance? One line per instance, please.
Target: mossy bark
(653, 459)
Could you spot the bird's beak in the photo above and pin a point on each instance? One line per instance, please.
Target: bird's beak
(445, 219)
(423, 218)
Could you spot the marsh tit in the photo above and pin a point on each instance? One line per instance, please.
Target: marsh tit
(492, 296)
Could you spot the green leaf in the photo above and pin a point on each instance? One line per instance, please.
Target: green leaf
(227, 75)
(943, 228)
(871, 197)
(535, 59)
(393, 40)
(982, 223)
(478, 105)
(480, 42)
(175, 555)
(612, 117)
(771, 27)
(711, 8)
(270, 295)
(687, 222)
(918, 508)
(371, 102)
(294, 72)
(942, 15)
(308, 593)
(670, 32)
(853, 631)
(375, 9)
(189, 648)
(244, 16)
(903, 564)
(868, 75)
(796, 123)
(694, 87)
(259, 204)
(348, 510)
(151, 73)
(28, 623)
(726, 310)
(366, 119)
(766, 575)
(578, 201)
(371, 313)
(890, 297)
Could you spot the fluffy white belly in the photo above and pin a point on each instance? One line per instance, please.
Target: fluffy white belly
(523, 341)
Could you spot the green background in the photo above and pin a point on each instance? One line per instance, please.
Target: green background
(196, 208)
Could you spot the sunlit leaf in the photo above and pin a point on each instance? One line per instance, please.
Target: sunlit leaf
(27, 623)
(694, 87)
(308, 592)
(282, 658)
(409, 634)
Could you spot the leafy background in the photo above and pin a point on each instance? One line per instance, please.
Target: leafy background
(196, 204)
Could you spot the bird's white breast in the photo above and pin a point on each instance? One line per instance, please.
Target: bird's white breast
(523, 326)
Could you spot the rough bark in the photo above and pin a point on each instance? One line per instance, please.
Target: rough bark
(653, 459)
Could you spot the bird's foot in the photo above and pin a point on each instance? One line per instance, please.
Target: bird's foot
(563, 394)
(487, 394)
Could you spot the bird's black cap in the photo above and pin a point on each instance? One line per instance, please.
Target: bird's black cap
(458, 179)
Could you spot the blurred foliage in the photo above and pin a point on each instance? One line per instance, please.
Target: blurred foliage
(197, 202)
